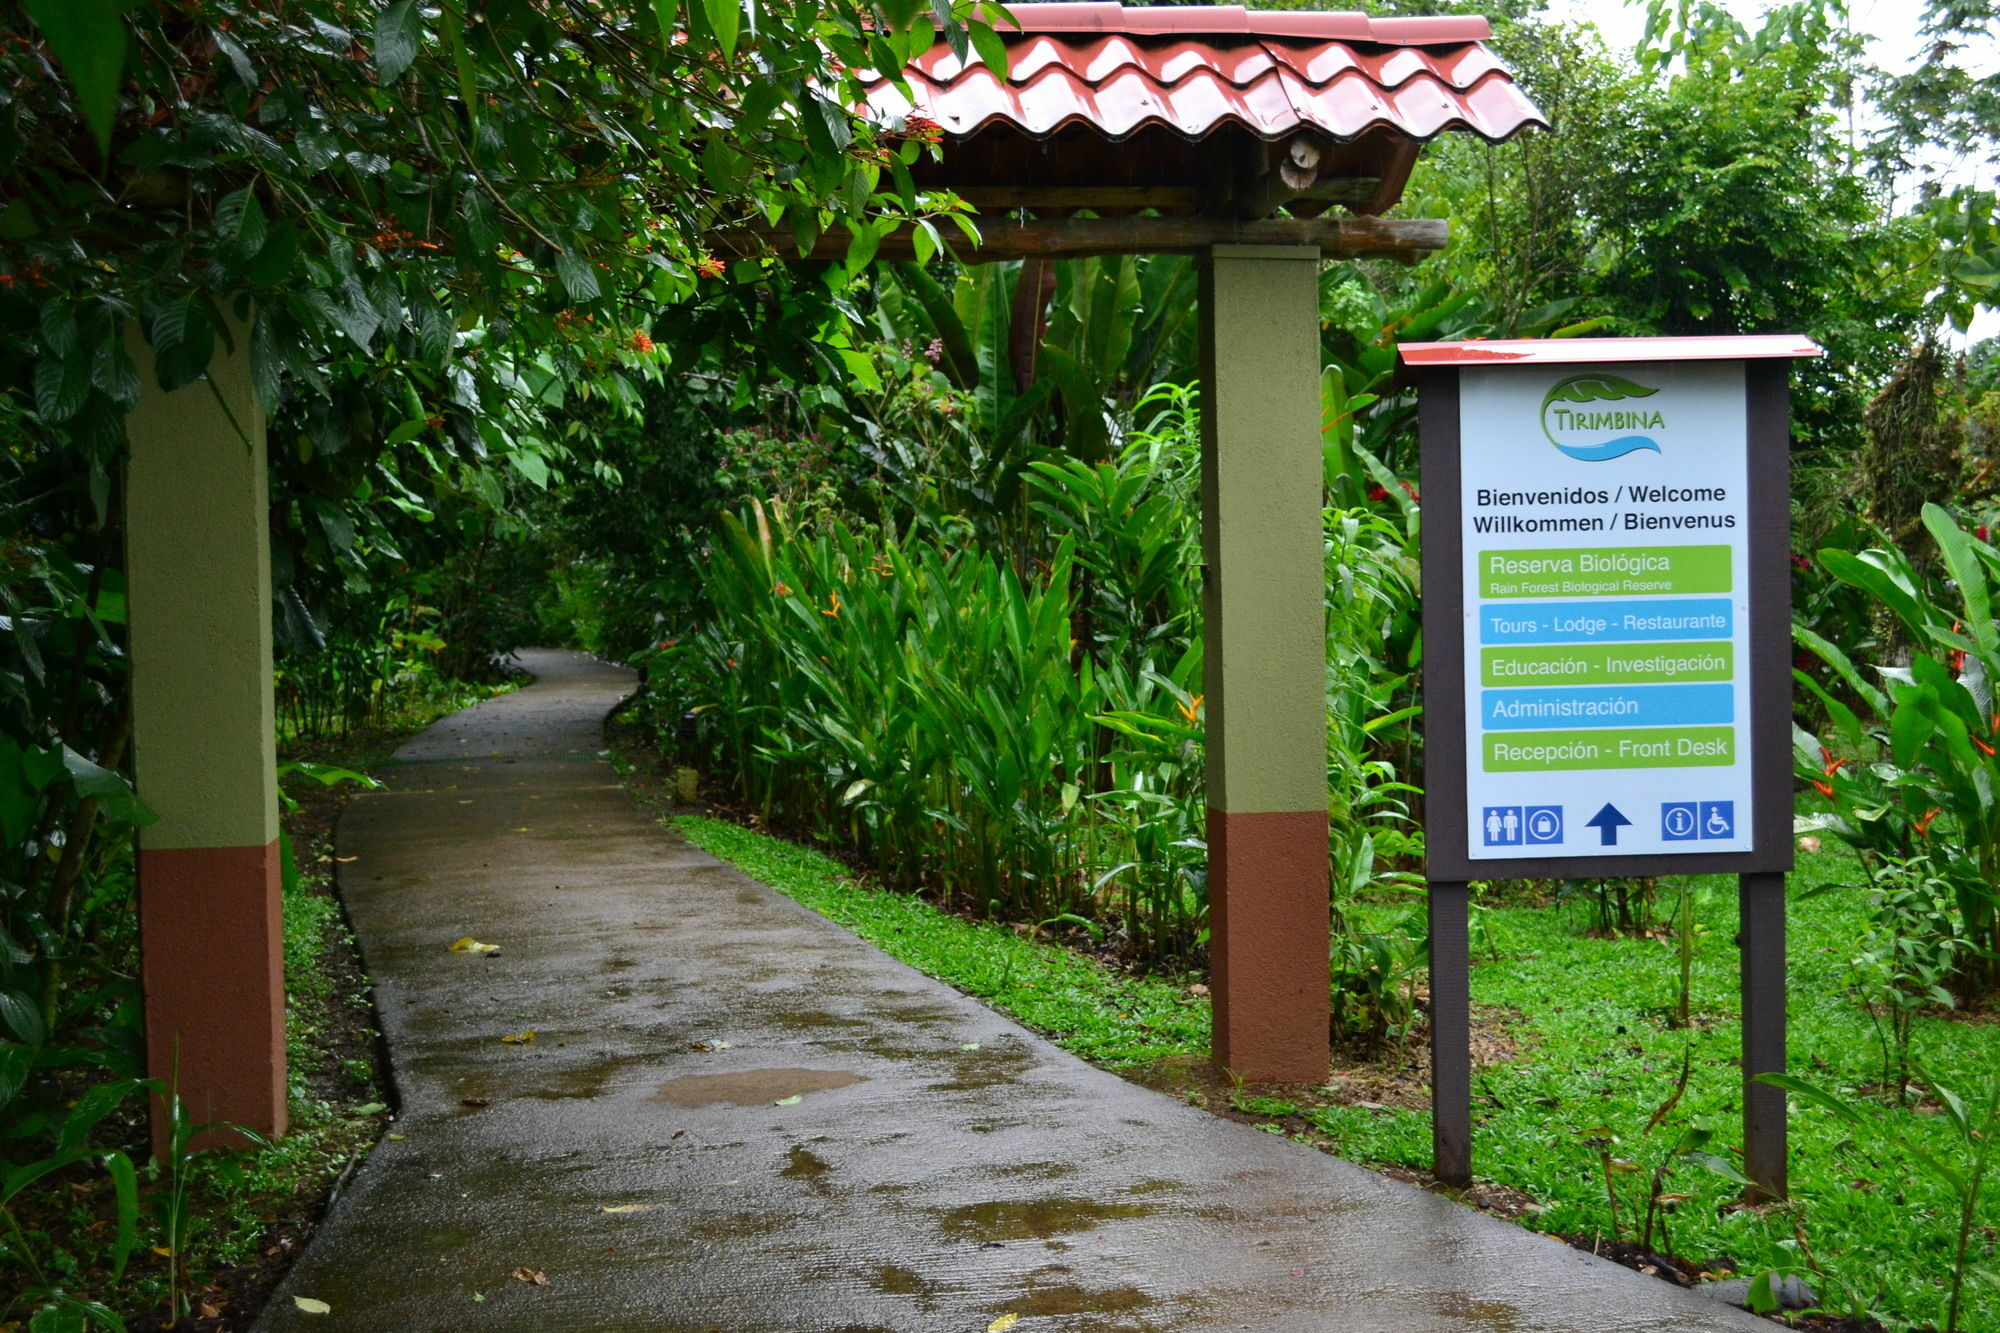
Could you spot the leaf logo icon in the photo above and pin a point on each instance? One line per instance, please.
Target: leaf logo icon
(1595, 436)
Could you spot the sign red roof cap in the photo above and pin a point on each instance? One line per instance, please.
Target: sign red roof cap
(1571, 351)
(1159, 20)
(1206, 98)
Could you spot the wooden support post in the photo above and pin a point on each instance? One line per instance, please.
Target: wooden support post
(198, 574)
(1264, 600)
(1451, 1034)
(1761, 921)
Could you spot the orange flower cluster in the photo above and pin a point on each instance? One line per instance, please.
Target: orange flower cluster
(709, 266)
(395, 236)
(36, 275)
(922, 128)
(642, 343)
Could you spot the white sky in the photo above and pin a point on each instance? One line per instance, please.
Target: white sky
(1896, 46)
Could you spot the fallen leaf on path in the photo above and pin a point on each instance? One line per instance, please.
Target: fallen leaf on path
(311, 1306)
(534, 1277)
(1003, 1323)
(479, 1298)
(792, 1100)
(709, 1046)
(628, 1208)
(470, 945)
(207, 1311)
(970, 1046)
(521, 1038)
(345, 859)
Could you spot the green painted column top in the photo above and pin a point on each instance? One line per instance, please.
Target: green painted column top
(198, 576)
(1264, 594)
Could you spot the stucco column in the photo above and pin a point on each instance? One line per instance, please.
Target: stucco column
(1263, 599)
(198, 575)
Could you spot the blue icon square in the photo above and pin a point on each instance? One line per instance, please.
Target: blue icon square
(1680, 821)
(1718, 819)
(1542, 823)
(1500, 825)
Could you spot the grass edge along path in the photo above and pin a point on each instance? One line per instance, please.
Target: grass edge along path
(1083, 1006)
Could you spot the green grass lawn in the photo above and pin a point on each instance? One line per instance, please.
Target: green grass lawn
(1595, 1059)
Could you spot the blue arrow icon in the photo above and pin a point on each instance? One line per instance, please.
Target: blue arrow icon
(1607, 822)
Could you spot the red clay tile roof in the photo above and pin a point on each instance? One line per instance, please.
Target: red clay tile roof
(1157, 81)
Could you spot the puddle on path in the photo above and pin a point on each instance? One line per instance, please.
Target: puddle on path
(1076, 1300)
(1033, 1219)
(752, 1087)
(805, 1164)
(897, 1281)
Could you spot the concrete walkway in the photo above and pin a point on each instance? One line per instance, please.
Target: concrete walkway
(734, 1117)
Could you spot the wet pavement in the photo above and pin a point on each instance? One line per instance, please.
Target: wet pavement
(735, 1117)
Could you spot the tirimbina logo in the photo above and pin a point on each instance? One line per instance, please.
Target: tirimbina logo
(1579, 419)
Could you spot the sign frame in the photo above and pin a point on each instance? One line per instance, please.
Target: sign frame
(1767, 668)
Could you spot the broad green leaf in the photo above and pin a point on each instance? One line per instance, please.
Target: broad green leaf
(725, 20)
(125, 1193)
(663, 14)
(113, 794)
(15, 1060)
(992, 51)
(88, 39)
(579, 279)
(1813, 1093)
(399, 33)
(22, 1018)
(863, 241)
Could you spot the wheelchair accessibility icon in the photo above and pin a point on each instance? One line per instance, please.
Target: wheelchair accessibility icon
(1691, 821)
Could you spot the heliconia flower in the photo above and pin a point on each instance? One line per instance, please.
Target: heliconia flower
(781, 590)
(1191, 709)
(1924, 824)
(833, 606)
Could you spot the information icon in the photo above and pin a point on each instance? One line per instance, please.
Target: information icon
(1680, 821)
(1544, 823)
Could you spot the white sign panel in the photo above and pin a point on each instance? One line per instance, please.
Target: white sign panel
(1606, 530)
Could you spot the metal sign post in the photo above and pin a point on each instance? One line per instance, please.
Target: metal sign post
(1607, 652)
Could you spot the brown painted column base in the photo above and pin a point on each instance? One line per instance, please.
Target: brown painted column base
(211, 946)
(1267, 914)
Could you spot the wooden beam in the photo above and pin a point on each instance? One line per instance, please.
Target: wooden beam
(1402, 239)
(1004, 198)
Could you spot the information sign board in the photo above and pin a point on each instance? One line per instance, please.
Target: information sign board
(1605, 609)
(1607, 664)
(1604, 525)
